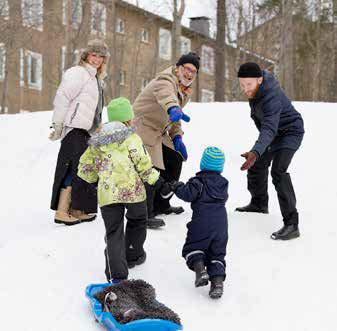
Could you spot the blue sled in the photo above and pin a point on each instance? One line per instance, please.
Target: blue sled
(107, 320)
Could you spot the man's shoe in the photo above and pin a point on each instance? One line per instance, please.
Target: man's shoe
(138, 261)
(154, 223)
(287, 232)
(170, 210)
(253, 209)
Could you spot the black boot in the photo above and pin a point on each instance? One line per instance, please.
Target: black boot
(253, 209)
(216, 289)
(201, 275)
(287, 232)
(154, 223)
(170, 210)
(140, 260)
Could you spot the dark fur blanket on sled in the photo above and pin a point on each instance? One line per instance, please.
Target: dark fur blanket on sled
(132, 300)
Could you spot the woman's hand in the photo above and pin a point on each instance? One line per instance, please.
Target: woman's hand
(57, 131)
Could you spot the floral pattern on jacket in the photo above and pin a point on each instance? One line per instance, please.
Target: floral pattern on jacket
(117, 159)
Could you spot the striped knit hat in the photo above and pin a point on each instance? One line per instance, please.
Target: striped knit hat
(212, 159)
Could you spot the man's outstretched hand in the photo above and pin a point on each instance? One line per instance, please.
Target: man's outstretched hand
(250, 160)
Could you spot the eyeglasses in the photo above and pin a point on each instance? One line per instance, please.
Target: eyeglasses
(192, 72)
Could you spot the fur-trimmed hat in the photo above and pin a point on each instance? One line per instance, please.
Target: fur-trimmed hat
(97, 46)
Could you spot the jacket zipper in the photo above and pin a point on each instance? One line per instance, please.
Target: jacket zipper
(74, 113)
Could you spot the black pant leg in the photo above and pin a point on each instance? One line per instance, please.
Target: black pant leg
(150, 193)
(258, 180)
(135, 232)
(173, 164)
(283, 185)
(115, 258)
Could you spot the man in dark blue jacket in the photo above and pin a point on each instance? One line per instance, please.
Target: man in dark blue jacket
(281, 133)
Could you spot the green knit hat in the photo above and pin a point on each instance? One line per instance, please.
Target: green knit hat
(120, 110)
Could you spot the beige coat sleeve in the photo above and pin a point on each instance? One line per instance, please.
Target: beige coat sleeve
(165, 94)
(175, 129)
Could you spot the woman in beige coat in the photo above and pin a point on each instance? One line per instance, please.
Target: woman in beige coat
(158, 115)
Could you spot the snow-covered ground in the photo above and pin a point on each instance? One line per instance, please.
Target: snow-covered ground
(270, 286)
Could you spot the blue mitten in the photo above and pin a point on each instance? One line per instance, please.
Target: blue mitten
(180, 147)
(176, 114)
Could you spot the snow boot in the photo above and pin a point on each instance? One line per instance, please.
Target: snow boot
(201, 275)
(62, 215)
(287, 232)
(170, 210)
(140, 260)
(251, 208)
(82, 216)
(154, 223)
(216, 289)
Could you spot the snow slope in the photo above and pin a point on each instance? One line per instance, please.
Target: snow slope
(270, 286)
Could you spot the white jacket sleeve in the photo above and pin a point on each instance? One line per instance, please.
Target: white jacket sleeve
(72, 82)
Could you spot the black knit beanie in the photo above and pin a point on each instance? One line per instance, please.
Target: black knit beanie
(190, 57)
(249, 70)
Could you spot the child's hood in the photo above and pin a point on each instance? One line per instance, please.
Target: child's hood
(111, 132)
(215, 185)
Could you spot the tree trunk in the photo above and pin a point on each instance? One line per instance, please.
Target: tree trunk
(287, 49)
(334, 54)
(220, 62)
(176, 28)
(318, 55)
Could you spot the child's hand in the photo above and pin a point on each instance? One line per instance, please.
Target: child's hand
(169, 188)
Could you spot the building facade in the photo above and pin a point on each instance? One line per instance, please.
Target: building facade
(40, 39)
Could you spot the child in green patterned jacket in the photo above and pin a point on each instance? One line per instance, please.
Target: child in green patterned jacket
(117, 159)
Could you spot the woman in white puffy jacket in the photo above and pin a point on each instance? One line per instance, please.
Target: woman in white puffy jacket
(77, 113)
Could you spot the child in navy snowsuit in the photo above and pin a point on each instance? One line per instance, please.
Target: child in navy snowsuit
(205, 246)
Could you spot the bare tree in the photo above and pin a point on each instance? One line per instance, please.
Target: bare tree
(287, 48)
(176, 28)
(333, 88)
(220, 62)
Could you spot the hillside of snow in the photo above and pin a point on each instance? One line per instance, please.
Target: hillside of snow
(270, 286)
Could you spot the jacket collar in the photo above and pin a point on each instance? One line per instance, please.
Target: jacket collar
(91, 70)
(169, 73)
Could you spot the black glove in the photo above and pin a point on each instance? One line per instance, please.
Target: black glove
(169, 188)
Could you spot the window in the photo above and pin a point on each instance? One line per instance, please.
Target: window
(4, 9)
(120, 26)
(122, 77)
(5, 110)
(145, 82)
(76, 12)
(165, 44)
(185, 45)
(226, 72)
(145, 36)
(34, 70)
(207, 59)
(76, 57)
(74, 60)
(207, 96)
(98, 17)
(22, 67)
(32, 13)
(2, 61)
(63, 59)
